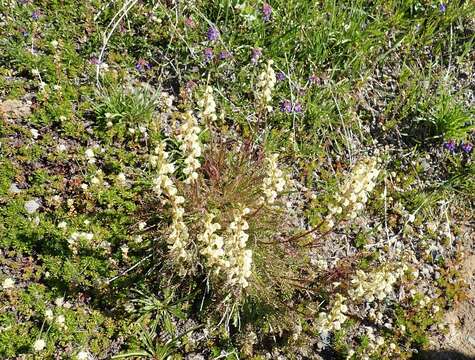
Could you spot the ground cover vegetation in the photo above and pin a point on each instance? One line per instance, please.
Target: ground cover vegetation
(234, 179)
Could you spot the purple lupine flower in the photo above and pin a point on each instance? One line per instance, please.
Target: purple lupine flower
(466, 147)
(208, 54)
(286, 106)
(212, 34)
(266, 12)
(442, 7)
(450, 145)
(35, 15)
(280, 76)
(298, 108)
(256, 54)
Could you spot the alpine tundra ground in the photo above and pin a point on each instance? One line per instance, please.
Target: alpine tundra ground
(237, 179)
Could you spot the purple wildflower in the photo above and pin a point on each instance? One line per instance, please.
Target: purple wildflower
(286, 106)
(256, 54)
(212, 34)
(442, 7)
(35, 15)
(450, 145)
(223, 55)
(466, 147)
(298, 108)
(208, 54)
(314, 79)
(142, 65)
(266, 12)
(280, 76)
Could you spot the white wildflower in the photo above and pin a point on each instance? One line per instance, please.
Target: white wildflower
(89, 153)
(373, 285)
(125, 251)
(333, 320)
(240, 258)
(213, 244)
(265, 84)
(274, 183)
(121, 179)
(39, 345)
(49, 315)
(353, 194)
(8, 283)
(60, 321)
(208, 106)
(190, 146)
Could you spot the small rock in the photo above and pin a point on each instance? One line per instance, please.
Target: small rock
(14, 109)
(31, 206)
(14, 189)
(34, 133)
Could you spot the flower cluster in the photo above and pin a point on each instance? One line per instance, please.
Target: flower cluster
(188, 135)
(208, 105)
(333, 320)
(452, 146)
(178, 236)
(162, 183)
(353, 195)
(265, 84)
(212, 34)
(240, 258)
(374, 285)
(287, 107)
(76, 237)
(274, 182)
(266, 12)
(213, 244)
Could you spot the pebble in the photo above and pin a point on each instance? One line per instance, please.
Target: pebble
(31, 206)
(14, 189)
